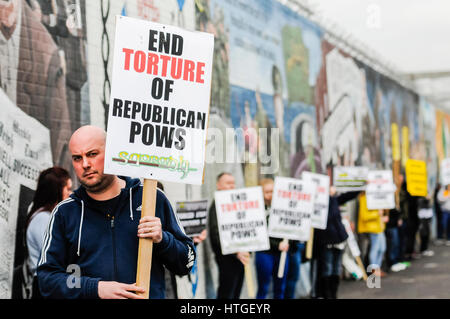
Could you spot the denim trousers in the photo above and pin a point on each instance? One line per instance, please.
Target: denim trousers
(377, 248)
(393, 245)
(331, 261)
(295, 261)
(267, 271)
(446, 223)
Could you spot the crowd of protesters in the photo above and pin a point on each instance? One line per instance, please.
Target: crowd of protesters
(386, 238)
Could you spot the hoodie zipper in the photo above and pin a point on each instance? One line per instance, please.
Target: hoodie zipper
(111, 217)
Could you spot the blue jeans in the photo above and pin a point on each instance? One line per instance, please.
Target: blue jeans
(331, 262)
(295, 261)
(267, 270)
(446, 223)
(393, 240)
(377, 248)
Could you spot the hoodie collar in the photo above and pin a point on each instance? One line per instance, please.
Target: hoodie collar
(130, 183)
(81, 196)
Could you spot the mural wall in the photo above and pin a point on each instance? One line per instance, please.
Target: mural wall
(287, 100)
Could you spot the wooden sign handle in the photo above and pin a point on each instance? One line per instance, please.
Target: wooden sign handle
(282, 261)
(144, 262)
(309, 244)
(249, 281)
(360, 264)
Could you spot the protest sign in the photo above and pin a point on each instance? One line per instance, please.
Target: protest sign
(416, 177)
(158, 111)
(292, 208)
(241, 220)
(192, 216)
(321, 200)
(24, 152)
(350, 178)
(159, 104)
(353, 246)
(445, 171)
(380, 190)
(351, 240)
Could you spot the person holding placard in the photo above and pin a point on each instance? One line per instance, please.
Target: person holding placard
(372, 222)
(267, 262)
(231, 266)
(91, 245)
(330, 244)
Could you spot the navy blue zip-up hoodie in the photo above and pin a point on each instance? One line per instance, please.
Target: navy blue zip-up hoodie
(106, 248)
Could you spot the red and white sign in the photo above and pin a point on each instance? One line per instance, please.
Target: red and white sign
(241, 219)
(292, 208)
(159, 106)
(322, 199)
(380, 190)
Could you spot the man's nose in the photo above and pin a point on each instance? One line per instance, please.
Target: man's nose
(86, 162)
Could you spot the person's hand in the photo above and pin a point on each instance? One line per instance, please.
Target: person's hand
(150, 227)
(400, 222)
(283, 245)
(244, 257)
(198, 239)
(117, 290)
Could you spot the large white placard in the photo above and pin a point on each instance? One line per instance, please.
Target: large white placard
(241, 219)
(445, 171)
(292, 208)
(159, 104)
(24, 153)
(322, 199)
(351, 240)
(380, 190)
(350, 178)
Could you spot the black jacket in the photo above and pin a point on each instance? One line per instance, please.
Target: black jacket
(335, 232)
(213, 229)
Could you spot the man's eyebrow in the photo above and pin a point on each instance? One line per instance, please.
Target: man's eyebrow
(87, 152)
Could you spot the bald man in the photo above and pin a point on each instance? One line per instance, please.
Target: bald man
(91, 245)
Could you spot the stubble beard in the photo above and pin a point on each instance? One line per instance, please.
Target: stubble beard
(104, 182)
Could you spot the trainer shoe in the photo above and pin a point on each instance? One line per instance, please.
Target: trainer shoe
(406, 263)
(397, 267)
(447, 243)
(428, 253)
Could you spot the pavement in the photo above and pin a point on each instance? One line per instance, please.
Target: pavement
(426, 278)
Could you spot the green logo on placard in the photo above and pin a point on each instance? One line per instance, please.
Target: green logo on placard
(169, 163)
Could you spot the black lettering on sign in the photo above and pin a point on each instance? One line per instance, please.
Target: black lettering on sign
(161, 136)
(238, 197)
(165, 42)
(296, 187)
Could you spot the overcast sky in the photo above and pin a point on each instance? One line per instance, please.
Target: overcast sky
(414, 35)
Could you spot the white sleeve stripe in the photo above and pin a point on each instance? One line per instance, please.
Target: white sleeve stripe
(48, 232)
